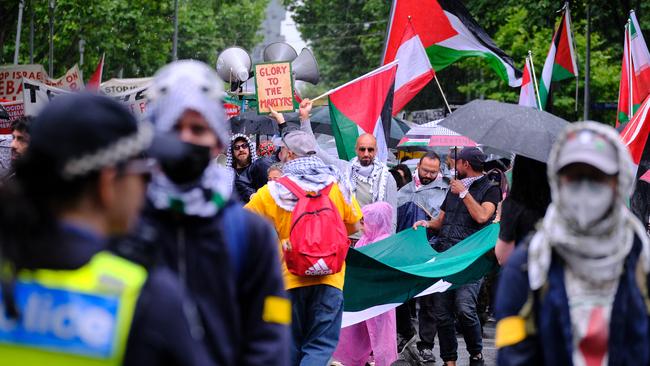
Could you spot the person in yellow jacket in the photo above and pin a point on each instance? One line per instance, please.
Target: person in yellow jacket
(65, 300)
(316, 302)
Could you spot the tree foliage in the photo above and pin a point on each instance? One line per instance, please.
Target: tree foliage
(136, 35)
(351, 35)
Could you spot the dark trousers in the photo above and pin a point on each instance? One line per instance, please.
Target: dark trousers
(403, 319)
(316, 314)
(460, 302)
(427, 322)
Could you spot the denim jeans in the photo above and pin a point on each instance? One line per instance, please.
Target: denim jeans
(427, 322)
(460, 302)
(316, 313)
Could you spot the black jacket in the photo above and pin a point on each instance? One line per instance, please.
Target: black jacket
(252, 178)
(228, 289)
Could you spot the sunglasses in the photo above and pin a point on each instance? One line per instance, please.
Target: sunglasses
(364, 149)
(240, 147)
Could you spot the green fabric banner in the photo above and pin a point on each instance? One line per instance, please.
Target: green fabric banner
(400, 267)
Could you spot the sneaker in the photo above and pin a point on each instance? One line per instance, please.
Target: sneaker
(426, 355)
(476, 360)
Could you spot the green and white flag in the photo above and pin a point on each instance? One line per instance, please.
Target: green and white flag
(386, 274)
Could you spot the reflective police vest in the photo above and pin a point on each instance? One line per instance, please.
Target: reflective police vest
(72, 317)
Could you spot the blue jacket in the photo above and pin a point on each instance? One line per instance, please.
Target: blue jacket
(230, 289)
(547, 339)
(411, 201)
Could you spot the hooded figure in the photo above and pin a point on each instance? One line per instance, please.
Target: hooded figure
(374, 336)
(225, 257)
(251, 175)
(579, 285)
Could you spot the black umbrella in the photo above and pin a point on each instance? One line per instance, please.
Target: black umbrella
(509, 127)
(251, 123)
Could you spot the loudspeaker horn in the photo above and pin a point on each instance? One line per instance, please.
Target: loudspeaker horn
(234, 64)
(279, 51)
(305, 67)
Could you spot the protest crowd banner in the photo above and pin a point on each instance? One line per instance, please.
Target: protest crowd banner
(274, 87)
(11, 79)
(117, 86)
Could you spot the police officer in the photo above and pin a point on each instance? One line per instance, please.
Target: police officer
(65, 299)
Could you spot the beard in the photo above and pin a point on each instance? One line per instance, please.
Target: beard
(243, 160)
(425, 181)
(365, 161)
(461, 175)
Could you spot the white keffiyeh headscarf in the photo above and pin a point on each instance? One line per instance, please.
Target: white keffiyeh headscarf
(375, 174)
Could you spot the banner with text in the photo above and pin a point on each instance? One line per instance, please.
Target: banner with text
(14, 110)
(118, 86)
(274, 87)
(11, 87)
(36, 95)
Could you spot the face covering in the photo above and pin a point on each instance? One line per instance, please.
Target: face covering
(585, 202)
(190, 166)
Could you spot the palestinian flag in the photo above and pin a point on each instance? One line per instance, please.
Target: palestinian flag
(96, 78)
(448, 33)
(635, 134)
(386, 274)
(414, 70)
(561, 60)
(528, 95)
(634, 87)
(363, 105)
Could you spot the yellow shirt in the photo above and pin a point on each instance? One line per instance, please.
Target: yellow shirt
(263, 204)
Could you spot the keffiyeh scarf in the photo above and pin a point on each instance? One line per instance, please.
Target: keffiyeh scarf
(376, 175)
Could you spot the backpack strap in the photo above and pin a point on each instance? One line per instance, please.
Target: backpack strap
(292, 186)
(236, 235)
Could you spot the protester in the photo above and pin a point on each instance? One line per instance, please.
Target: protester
(225, 256)
(20, 137)
(367, 177)
(450, 161)
(275, 172)
(420, 200)
(469, 206)
(525, 205)
(375, 336)
(577, 291)
(251, 171)
(80, 181)
(316, 301)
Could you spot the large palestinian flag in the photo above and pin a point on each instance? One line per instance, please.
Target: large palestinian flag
(561, 60)
(634, 86)
(448, 33)
(385, 274)
(363, 105)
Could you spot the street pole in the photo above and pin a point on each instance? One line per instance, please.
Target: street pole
(21, 6)
(31, 32)
(175, 40)
(585, 115)
(51, 56)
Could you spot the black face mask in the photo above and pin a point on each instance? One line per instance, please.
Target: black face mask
(189, 166)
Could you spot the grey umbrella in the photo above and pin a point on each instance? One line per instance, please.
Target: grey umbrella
(508, 127)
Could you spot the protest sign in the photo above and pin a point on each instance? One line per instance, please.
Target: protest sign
(274, 87)
(11, 87)
(118, 86)
(15, 110)
(134, 99)
(36, 95)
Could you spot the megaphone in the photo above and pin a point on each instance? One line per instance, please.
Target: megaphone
(233, 65)
(305, 67)
(279, 51)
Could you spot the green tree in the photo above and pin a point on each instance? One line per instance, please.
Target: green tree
(136, 35)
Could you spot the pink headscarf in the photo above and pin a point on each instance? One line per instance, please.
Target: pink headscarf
(377, 222)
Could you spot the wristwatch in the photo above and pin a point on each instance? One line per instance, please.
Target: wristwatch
(463, 194)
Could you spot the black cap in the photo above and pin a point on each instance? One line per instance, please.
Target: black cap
(80, 133)
(472, 155)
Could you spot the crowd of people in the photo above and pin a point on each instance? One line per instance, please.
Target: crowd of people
(126, 242)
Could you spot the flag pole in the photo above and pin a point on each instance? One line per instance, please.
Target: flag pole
(435, 76)
(21, 6)
(532, 71)
(630, 70)
(387, 66)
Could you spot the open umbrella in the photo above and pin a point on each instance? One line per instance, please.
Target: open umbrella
(432, 136)
(508, 127)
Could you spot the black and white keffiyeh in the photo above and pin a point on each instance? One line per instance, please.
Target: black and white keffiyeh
(376, 175)
(251, 149)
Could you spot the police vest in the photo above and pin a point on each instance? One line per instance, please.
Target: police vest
(72, 317)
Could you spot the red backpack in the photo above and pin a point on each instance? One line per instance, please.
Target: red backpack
(318, 240)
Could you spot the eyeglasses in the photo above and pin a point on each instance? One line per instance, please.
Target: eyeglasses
(364, 149)
(240, 147)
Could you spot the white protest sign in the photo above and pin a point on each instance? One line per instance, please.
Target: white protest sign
(36, 95)
(118, 86)
(134, 99)
(11, 87)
